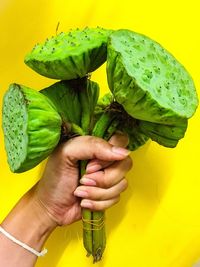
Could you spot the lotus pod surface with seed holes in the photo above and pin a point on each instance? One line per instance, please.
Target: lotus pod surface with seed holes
(147, 80)
(31, 127)
(70, 55)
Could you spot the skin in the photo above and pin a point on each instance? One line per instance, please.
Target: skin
(57, 198)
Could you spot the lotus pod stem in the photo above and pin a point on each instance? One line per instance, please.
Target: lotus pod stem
(94, 237)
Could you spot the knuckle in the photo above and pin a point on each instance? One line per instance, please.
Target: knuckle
(129, 162)
(126, 139)
(125, 184)
(106, 182)
(95, 144)
(119, 139)
(117, 199)
(95, 141)
(91, 139)
(63, 150)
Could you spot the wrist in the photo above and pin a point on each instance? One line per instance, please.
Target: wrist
(29, 222)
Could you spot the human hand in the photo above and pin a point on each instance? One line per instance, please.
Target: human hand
(100, 188)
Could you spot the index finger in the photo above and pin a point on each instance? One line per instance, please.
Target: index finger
(118, 139)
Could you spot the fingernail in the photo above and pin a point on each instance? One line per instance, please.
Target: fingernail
(93, 168)
(80, 193)
(87, 181)
(86, 204)
(121, 150)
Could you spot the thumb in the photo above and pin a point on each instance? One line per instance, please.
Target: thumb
(89, 147)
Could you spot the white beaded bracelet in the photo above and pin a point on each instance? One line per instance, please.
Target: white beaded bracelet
(32, 250)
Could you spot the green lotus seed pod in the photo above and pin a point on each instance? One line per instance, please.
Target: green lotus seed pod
(31, 127)
(88, 95)
(147, 80)
(93, 94)
(74, 100)
(70, 55)
(66, 100)
(136, 137)
(166, 135)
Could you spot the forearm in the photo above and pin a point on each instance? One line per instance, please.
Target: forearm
(29, 223)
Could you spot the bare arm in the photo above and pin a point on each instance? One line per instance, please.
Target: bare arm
(28, 223)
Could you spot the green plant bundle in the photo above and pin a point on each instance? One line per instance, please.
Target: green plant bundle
(152, 96)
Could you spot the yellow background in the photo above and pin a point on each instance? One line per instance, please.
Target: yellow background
(157, 222)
